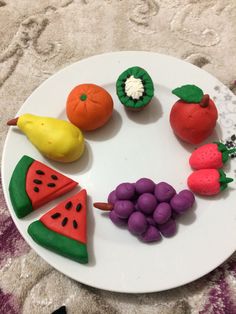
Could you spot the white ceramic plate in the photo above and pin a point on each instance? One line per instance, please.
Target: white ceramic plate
(131, 146)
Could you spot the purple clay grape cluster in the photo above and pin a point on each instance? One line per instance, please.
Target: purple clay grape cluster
(149, 210)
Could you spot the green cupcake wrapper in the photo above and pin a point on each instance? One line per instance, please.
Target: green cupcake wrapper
(140, 73)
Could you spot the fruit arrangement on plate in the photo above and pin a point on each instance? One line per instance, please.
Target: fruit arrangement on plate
(149, 210)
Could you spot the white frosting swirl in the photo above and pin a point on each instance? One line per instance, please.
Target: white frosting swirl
(134, 87)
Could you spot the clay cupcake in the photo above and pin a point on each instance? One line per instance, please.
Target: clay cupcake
(134, 88)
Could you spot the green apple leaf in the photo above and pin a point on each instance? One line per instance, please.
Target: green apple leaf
(189, 93)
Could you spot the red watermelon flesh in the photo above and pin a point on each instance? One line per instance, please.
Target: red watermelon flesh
(44, 184)
(69, 217)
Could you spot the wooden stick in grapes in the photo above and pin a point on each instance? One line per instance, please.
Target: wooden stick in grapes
(103, 206)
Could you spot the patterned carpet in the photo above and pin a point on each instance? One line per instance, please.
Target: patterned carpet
(40, 37)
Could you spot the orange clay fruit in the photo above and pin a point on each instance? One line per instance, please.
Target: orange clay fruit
(89, 106)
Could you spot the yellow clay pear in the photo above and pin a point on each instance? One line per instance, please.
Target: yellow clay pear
(56, 139)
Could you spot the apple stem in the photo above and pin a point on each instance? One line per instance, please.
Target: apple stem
(205, 101)
(103, 206)
(12, 121)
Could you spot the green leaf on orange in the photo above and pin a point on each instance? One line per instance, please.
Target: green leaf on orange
(189, 93)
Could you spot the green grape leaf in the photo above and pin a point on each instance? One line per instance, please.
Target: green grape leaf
(189, 93)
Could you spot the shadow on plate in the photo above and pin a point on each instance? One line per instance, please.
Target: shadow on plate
(90, 232)
(189, 217)
(151, 114)
(109, 130)
(222, 195)
(105, 215)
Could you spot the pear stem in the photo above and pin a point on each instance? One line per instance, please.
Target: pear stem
(205, 101)
(103, 206)
(12, 121)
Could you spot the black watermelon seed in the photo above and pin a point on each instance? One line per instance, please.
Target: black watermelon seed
(68, 205)
(40, 172)
(64, 221)
(233, 137)
(36, 189)
(51, 185)
(54, 177)
(36, 181)
(75, 225)
(56, 215)
(78, 207)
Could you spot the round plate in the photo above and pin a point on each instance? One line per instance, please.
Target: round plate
(131, 146)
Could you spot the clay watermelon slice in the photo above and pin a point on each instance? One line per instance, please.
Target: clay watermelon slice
(34, 184)
(63, 228)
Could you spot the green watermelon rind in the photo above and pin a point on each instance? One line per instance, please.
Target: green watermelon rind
(58, 243)
(17, 188)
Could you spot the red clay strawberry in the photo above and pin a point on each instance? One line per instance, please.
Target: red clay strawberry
(193, 117)
(208, 156)
(208, 181)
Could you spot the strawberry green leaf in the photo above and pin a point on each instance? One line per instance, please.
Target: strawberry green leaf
(189, 93)
(224, 180)
(225, 156)
(223, 186)
(225, 151)
(221, 146)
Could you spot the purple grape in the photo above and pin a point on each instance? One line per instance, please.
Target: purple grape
(117, 220)
(152, 234)
(112, 198)
(151, 221)
(180, 204)
(162, 213)
(136, 206)
(125, 191)
(189, 195)
(164, 192)
(174, 215)
(137, 223)
(147, 203)
(144, 185)
(135, 197)
(123, 209)
(168, 229)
